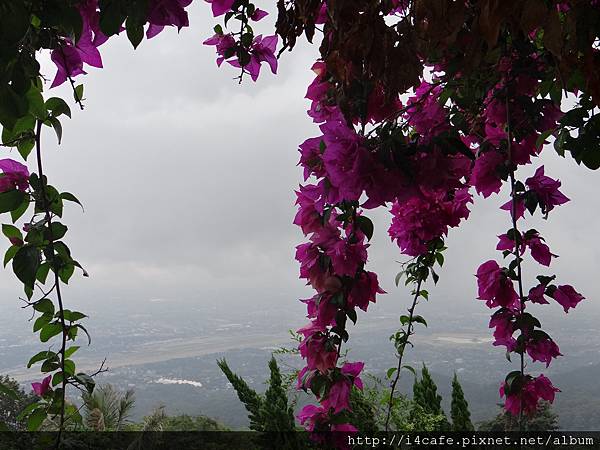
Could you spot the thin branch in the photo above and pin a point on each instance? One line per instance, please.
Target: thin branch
(409, 332)
(516, 253)
(48, 214)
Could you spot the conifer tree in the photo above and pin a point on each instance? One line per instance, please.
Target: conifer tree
(248, 396)
(363, 415)
(425, 393)
(270, 412)
(459, 410)
(276, 412)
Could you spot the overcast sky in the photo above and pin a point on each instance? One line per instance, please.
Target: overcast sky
(187, 180)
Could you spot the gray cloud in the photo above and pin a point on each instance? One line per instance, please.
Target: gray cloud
(188, 179)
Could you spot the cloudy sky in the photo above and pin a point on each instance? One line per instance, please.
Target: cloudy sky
(187, 180)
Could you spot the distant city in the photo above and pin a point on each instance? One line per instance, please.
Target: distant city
(169, 357)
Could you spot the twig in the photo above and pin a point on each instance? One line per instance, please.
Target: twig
(56, 280)
(409, 332)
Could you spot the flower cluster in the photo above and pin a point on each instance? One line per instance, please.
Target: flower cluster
(526, 397)
(354, 171)
(70, 55)
(510, 141)
(14, 175)
(242, 49)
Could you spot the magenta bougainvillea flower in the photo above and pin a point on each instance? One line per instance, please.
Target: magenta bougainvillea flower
(423, 218)
(539, 250)
(258, 14)
(503, 322)
(15, 175)
(338, 397)
(164, 13)
(425, 112)
(68, 57)
(220, 7)
(536, 294)
(485, 176)
(347, 257)
(506, 243)
(546, 189)
(567, 296)
(543, 349)
(364, 290)
(519, 208)
(68, 63)
(310, 158)
(531, 392)
(223, 43)
(311, 415)
(494, 286)
(261, 50)
(315, 348)
(42, 387)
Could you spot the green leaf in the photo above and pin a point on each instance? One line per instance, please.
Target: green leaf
(440, 259)
(366, 226)
(57, 106)
(25, 146)
(42, 273)
(50, 365)
(55, 123)
(11, 231)
(49, 331)
(41, 356)
(10, 254)
(87, 381)
(27, 410)
(58, 230)
(72, 316)
(45, 306)
(404, 319)
(56, 203)
(16, 214)
(36, 103)
(410, 369)
(112, 16)
(352, 315)
(25, 264)
(78, 94)
(556, 93)
(66, 272)
(35, 419)
(41, 322)
(218, 29)
(86, 332)
(70, 198)
(539, 143)
(391, 371)
(398, 277)
(69, 367)
(57, 379)
(135, 31)
(419, 319)
(11, 200)
(69, 352)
